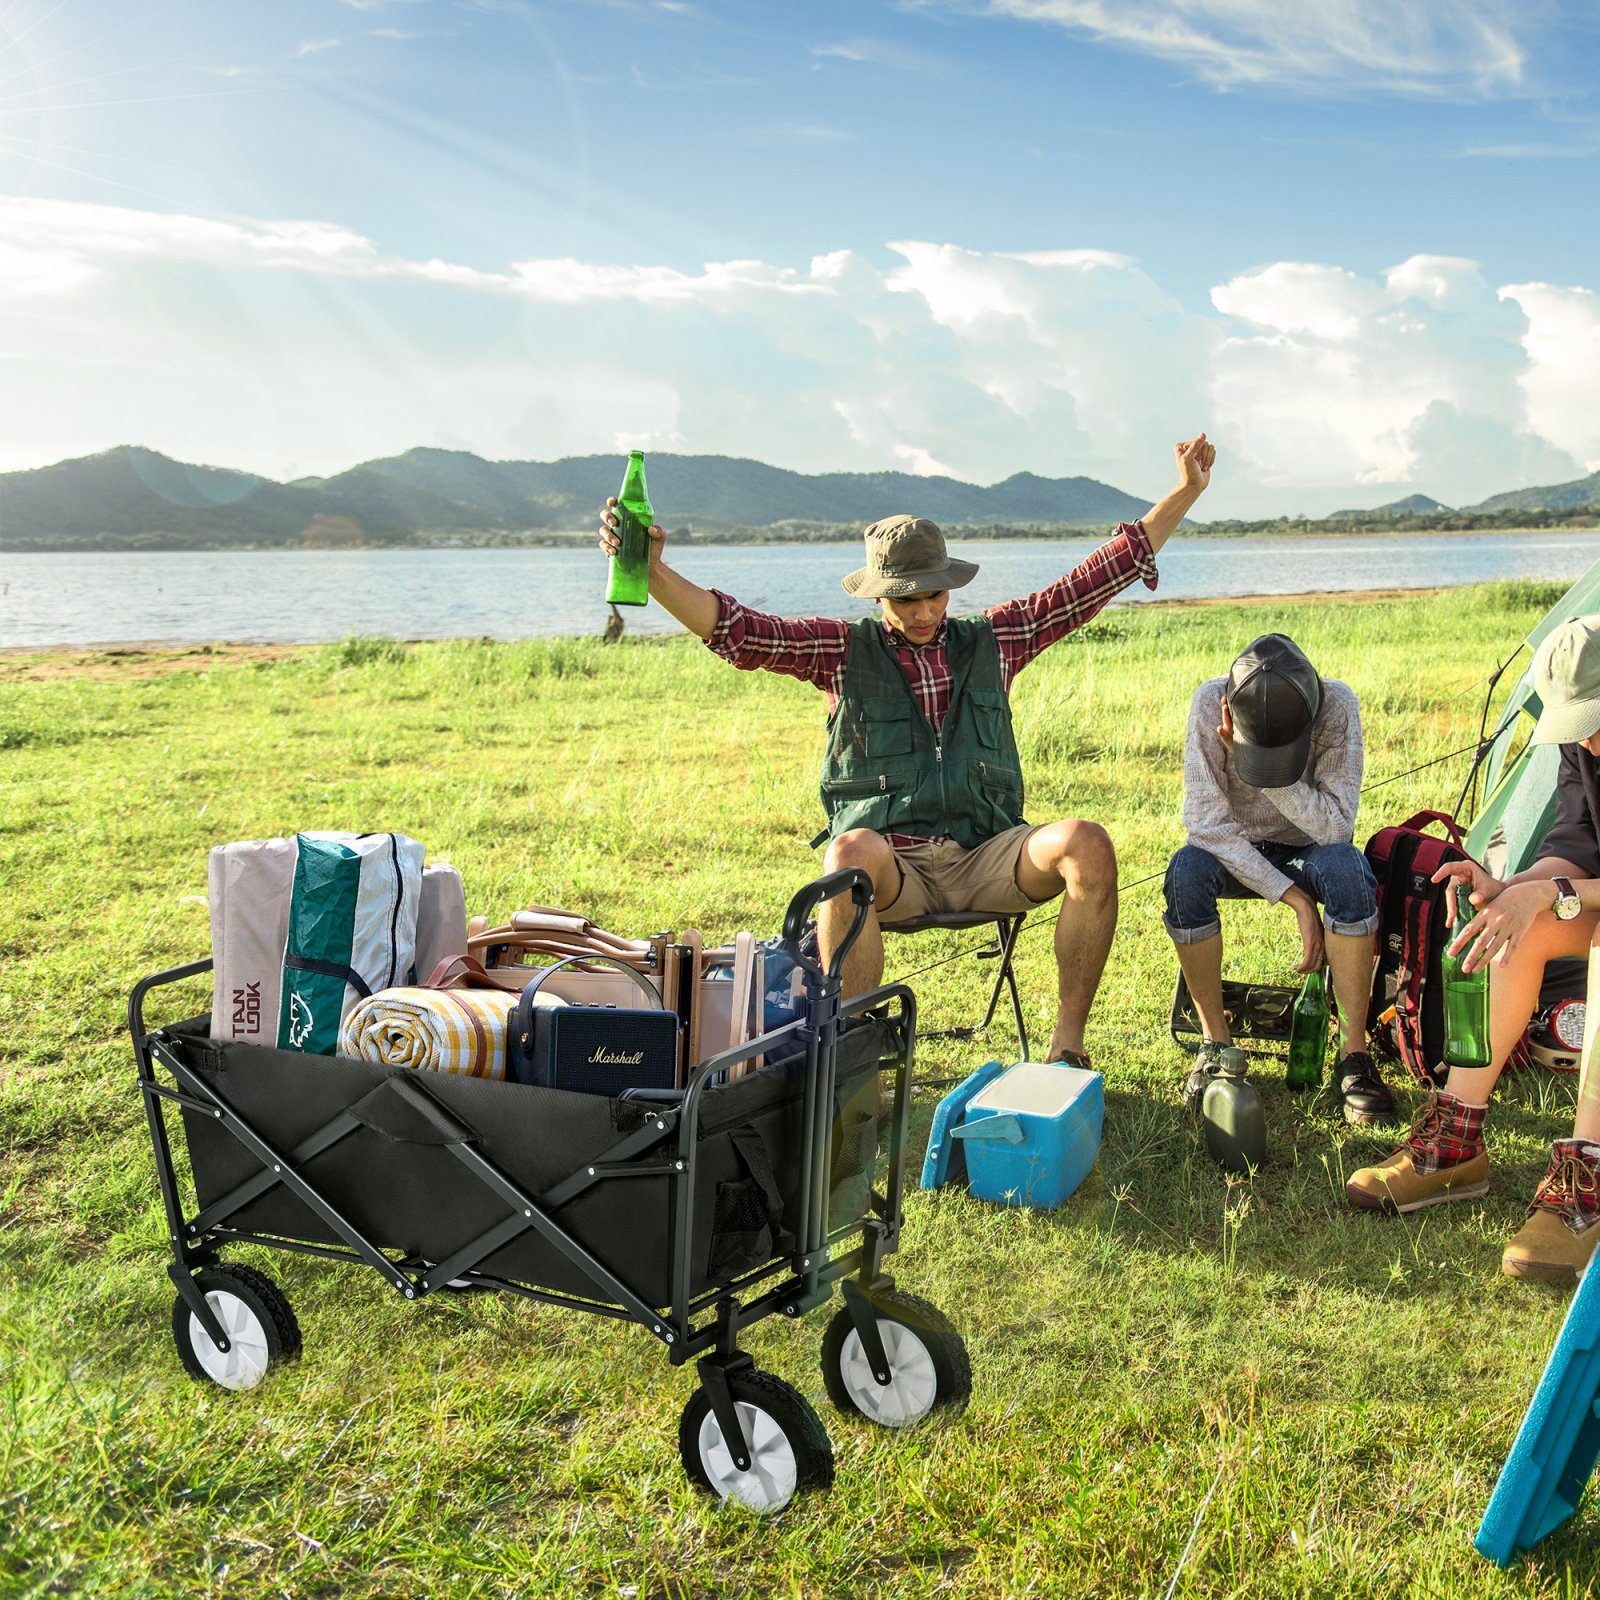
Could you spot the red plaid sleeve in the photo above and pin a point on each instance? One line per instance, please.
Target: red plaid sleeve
(809, 648)
(1022, 628)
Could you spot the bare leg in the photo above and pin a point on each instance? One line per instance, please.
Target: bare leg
(1079, 858)
(1514, 994)
(1201, 964)
(1350, 963)
(863, 964)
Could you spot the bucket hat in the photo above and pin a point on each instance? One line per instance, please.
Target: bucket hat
(1274, 695)
(1566, 677)
(907, 555)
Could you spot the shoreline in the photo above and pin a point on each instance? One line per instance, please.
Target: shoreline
(142, 657)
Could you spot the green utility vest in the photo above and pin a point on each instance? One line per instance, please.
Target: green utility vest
(885, 767)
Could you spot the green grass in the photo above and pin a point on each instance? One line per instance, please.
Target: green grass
(1350, 1384)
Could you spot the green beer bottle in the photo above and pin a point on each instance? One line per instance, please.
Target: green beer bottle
(1308, 1035)
(629, 584)
(1466, 1000)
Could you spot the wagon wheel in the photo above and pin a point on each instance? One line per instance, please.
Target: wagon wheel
(256, 1316)
(928, 1363)
(788, 1444)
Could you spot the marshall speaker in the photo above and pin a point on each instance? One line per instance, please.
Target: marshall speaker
(594, 1049)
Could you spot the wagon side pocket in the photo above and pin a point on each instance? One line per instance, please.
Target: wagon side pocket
(746, 1228)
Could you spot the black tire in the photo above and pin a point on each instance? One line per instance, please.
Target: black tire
(942, 1358)
(781, 1408)
(275, 1329)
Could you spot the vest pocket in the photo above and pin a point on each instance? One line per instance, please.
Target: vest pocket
(865, 801)
(988, 718)
(887, 726)
(1000, 787)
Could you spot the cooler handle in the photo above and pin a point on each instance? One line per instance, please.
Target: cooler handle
(1005, 1127)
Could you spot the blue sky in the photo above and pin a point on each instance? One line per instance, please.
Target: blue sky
(1355, 239)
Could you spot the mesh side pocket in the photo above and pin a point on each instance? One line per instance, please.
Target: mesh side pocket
(748, 1210)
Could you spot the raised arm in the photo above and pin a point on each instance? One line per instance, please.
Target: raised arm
(696, 608)
(1194, 457)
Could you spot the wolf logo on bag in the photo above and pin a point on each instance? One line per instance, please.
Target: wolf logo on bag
(301, 1021)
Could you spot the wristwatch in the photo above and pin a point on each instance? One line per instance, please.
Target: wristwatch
(1567, 905)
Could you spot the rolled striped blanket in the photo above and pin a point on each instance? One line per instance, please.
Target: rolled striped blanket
(459, 1031)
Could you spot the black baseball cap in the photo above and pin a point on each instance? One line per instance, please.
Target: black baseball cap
(1274, 695)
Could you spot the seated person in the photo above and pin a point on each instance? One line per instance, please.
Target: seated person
(1272, 775)
(1551, 910)
(921, 780)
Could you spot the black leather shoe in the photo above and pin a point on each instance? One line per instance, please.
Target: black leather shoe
(1366, 1097)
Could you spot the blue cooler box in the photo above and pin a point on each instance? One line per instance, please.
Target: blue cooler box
(1030, 1133)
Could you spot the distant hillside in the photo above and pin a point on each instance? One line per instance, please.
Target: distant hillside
(1552, 497)
(131, 498)
(1414, 505)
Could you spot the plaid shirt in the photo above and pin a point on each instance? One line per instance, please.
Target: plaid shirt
(814, 648)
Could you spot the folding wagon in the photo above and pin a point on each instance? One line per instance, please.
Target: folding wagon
(694, 1213)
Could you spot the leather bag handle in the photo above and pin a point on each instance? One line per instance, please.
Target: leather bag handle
(460, 972)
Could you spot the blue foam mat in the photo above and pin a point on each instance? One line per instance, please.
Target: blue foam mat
(946, 1160)
(1558, 1443)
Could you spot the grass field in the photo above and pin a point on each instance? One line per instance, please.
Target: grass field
(1347, 1385)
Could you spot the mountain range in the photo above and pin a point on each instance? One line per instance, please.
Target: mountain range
(129, 498)
(132, 498)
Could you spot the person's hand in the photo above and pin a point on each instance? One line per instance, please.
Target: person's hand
(1313, 954)
(609, 541)
(1482, 884)
(1225, 727)
(1194, 458)
(1497, 930)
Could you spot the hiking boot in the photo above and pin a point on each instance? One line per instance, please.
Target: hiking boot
(1207, 1063)
(1442, 1159)
(1366, 1097)
(1556, 1242)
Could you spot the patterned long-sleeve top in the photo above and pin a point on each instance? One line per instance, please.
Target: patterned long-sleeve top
(1229, 818)
(814, 649)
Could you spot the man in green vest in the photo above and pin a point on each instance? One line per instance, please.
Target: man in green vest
(921, 782)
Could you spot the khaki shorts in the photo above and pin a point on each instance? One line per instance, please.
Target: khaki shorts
(941, 877)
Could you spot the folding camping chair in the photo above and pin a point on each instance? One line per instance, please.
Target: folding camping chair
(1006, 928)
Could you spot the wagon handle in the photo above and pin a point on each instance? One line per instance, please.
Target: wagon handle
(798, 916)
(192, 969)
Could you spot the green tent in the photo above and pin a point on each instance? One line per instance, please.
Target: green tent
(1519, 778)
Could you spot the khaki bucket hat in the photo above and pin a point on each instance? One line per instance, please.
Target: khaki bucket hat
(906, 555)
(1566, 677)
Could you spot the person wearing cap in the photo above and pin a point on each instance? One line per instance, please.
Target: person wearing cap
(1550, 910)
(1272, 775)
(922, 781)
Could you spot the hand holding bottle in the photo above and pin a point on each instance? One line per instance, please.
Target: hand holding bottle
(1498, 928)
(610, 541)
(1481, 884)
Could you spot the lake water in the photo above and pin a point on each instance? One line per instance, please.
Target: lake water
(297, 596)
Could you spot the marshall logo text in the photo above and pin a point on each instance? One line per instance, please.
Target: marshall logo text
(616, 1058)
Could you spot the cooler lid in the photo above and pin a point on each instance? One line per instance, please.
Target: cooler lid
(1040, 1088)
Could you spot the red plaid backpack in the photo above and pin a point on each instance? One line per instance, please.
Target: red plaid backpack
(1407, 1007)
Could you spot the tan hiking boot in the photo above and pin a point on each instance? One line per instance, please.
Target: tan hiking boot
(1563, 1226)
(1442, 1159)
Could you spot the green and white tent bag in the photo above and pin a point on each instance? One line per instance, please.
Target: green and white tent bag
(352, 930)
(303, 928)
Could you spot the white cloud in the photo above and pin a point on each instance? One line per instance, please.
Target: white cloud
(1562, 374)
(1424, 47)
(1341, 379)
(1323, 386)
(312, 47)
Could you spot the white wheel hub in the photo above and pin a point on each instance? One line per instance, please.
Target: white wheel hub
(769, 1482)
(244, 1363)
(913, 1384)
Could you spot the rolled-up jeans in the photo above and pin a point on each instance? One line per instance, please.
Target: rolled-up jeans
(1336, 876)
